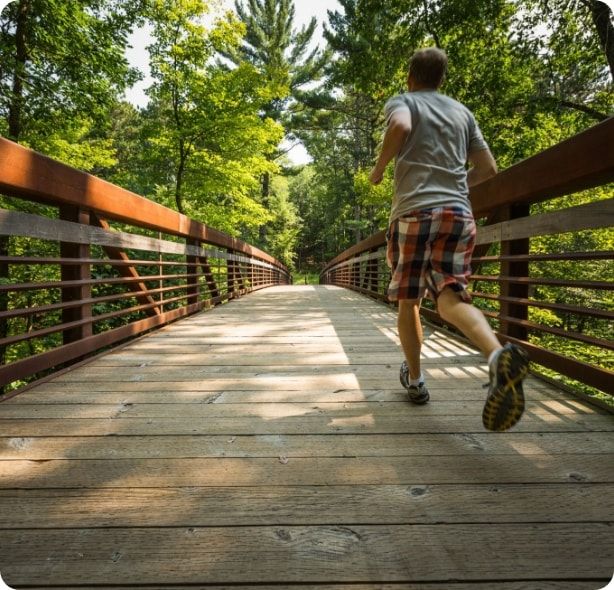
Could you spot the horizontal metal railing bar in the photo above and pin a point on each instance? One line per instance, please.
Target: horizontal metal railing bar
(591, 375)
(592, 340)
(85, 282)
(41, 309)
(380, 255)
(27, 174)
(377, 240)
(592, 312)
(559, 257)
(96, 318)
(599, 285)
(11, 340)
(18, 223)
(27, 260)
(564, 256)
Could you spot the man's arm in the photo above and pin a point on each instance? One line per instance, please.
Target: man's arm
(483, 166)
(397, 131)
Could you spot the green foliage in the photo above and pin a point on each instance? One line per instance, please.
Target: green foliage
(280, 53)
(61, 59)
(204, 125)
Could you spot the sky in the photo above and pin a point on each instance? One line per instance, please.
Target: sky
(138, 57)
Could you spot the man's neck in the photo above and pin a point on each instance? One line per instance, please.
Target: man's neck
(420, 88)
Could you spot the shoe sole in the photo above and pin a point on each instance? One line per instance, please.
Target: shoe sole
(505, 405)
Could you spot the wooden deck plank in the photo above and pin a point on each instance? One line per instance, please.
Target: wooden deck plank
(305, 505)
(99, 393)
(268, 443)
(325, 471)
(349, 445)
(351, 424)
(591, 584)
(545, 409)
(309, 554)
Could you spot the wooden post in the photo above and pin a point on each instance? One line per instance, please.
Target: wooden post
(76, 272)
(515, 269)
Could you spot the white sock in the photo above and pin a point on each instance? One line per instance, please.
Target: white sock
(491, 358)
(416, 382)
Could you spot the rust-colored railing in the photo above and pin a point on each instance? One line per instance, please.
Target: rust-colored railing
(524, 286)
(85, 265)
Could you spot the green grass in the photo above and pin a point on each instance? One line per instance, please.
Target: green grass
(305, 278)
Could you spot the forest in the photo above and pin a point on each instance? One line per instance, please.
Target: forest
(234, 90)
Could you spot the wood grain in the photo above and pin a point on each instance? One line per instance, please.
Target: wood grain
(268, 443)
(331, 553)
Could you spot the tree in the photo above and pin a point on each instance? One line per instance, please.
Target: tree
(282, 56)
(60, 60)
(207, 139)
(575, 69)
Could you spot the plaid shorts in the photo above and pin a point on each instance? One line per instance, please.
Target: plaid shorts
(429, 250)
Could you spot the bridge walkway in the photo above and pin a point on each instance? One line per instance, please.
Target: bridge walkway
(268, 443)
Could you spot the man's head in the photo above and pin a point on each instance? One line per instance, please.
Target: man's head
(427, 68)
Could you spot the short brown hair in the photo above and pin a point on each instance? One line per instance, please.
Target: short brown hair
(428, 66)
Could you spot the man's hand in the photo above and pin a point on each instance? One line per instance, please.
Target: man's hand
(376, 176)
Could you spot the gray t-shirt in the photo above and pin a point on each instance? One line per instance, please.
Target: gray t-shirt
(430, 167)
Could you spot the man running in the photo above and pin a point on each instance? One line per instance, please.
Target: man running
(432, 230)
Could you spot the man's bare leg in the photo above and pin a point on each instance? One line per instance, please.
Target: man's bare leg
(508, 365)
(410, 333)
(469, 320)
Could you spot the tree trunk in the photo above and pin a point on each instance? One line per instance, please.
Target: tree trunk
(602, 18)
(21, 58)
(266, 192)
(179, 178)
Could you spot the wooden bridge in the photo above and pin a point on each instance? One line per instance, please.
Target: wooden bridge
(190, 437)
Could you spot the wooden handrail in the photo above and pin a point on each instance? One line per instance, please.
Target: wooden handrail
(29, 175)
(204, 268)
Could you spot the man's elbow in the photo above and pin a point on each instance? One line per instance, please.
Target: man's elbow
(491, 170)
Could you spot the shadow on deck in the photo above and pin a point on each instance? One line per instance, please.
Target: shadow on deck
(268, 442)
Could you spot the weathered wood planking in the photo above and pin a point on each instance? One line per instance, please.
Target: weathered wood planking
(271, 411)
(305, 505)
(268, 443)
(62, 394)
(330, 553)
(297, 425)
(324, 471)
(530, 585)
(349, 445)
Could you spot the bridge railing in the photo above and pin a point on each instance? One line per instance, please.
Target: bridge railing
(542, 265)
(85, 265)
